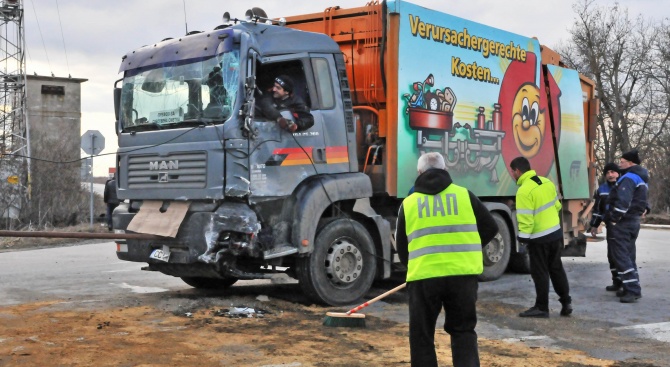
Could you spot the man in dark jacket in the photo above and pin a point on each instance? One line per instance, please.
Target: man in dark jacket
(110, 199)
(440, 233)
(627, 204)
(601, 196)
(283, 98)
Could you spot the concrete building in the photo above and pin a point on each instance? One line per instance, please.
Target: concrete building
(54, 116)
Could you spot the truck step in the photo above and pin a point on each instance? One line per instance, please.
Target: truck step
(279, 252)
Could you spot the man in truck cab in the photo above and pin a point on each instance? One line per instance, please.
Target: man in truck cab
(281, 97)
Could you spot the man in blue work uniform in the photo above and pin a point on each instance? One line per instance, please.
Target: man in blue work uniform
(611, 173)
(537, 212)
(440, 232)
(627, 204)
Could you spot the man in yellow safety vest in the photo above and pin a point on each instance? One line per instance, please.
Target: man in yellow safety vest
(440, 232)
(537, 212)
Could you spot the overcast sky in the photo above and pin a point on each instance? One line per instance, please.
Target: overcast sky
(86, 39)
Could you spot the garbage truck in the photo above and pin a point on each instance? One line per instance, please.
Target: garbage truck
(231, 195)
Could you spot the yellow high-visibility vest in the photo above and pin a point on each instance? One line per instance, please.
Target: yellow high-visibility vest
(537, 207)
(442, 235)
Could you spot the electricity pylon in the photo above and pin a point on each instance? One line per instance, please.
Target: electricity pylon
(14, 129)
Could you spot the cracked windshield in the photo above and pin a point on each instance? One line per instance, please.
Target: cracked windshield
(180, 94)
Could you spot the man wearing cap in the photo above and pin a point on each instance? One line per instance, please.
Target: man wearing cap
(601, 196)
(538, 211)
(283, 98)
(627, 203)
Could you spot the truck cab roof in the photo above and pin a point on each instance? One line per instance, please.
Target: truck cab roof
(270, 40)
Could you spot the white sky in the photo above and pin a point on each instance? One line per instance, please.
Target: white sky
(96, 34)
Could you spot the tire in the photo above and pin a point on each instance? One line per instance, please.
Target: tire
(209, 283)
(342, 266)
(497, 252)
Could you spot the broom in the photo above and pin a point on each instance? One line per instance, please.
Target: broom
(351, 318)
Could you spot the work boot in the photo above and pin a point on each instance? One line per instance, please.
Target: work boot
(535, 312)
(629, 298)
(623, 292)
(566, 310)
(614, 287)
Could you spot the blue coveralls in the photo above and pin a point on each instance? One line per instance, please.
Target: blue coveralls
(601, 204)
(627, 203)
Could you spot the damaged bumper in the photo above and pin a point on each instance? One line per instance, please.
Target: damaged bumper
(207, 241)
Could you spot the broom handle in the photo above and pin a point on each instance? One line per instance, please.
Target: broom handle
(368, 303)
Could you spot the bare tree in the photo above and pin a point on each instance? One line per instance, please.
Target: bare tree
(658, 161)
(615, 51)
(629, 60)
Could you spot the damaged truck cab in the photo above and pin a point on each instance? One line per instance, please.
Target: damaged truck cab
(234, 195)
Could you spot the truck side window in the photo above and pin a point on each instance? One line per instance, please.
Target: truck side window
(324, 84)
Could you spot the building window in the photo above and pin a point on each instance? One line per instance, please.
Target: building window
(53, 89)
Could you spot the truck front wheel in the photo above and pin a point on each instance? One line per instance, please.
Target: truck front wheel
(341, 268)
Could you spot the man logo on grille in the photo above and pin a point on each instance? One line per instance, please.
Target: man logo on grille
(162, 177)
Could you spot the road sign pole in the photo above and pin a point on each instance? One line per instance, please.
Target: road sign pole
(97, 144)
(91, 207)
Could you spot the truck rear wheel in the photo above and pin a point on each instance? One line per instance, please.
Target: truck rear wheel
(497, 252)
(209, 283)
(341, 268)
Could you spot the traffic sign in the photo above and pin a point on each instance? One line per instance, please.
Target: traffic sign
(92, 142)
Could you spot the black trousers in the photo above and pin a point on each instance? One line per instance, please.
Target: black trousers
(545, 264)
(458, 296)
(624, 235)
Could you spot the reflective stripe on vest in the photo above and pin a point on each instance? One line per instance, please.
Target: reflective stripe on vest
(537, 207)
(442, 234)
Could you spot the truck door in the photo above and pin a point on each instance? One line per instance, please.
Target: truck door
(281, 160)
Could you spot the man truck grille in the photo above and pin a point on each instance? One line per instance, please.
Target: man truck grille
(174, 171)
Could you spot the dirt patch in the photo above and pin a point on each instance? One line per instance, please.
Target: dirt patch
(48, 334)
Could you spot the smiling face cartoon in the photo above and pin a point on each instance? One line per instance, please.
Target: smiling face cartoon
(529, 124)
(528, 120)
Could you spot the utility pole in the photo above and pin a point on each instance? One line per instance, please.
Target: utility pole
(14, 128)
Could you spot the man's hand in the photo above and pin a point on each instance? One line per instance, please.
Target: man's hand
(287, 125)
(594, 231)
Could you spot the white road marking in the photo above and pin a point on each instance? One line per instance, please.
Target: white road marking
(527, 338)
(658, 331)
(118, 271)
(140, 289)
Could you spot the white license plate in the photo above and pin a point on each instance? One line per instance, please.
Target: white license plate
(161, 255)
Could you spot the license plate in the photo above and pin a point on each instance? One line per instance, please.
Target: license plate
(161, 255)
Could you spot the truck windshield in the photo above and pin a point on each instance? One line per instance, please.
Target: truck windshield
(180, 94)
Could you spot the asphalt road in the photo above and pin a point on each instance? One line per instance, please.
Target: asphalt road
(89, 275)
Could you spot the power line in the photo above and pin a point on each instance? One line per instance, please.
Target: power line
(42, 37)
(63, 37)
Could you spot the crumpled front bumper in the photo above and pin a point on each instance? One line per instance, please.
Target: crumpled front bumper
(198, 238)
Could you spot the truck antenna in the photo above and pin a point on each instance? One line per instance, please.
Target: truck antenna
(185, 23)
